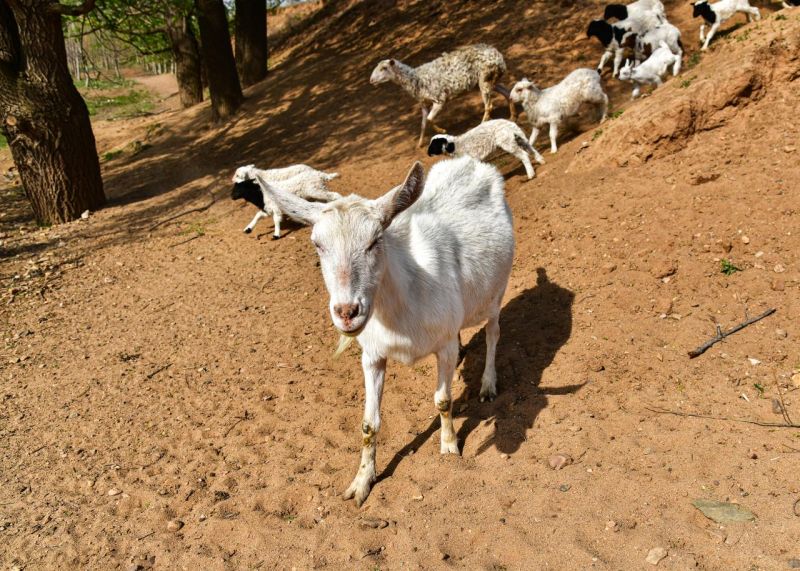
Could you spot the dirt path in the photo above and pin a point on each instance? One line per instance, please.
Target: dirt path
(160, 365)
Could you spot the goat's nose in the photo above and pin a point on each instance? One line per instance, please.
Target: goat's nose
(346, 311)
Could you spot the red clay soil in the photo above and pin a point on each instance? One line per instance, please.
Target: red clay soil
(159, 366)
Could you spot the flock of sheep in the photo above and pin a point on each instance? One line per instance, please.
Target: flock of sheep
(406, 272)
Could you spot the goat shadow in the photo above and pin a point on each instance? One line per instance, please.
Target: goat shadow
(533, 328)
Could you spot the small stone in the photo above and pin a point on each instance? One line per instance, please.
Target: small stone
(778, 285)
(174, 525)
(558, 461)
(781, 334)
(789, 149)
(745, 240)
(779, 268)
(504, 456)
(796, 380)
(612, 525)
(663, 269)
(85, 215)
(199, 258)
(664, 306)
(114, 492)
(596, 366)
(754, 362)
(610, 267)
(655, 555)
(752, 454)
(564, 487)
(418, 498)
(372, 523)
(794, 563)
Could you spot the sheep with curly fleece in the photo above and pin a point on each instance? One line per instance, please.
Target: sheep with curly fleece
(434, 83)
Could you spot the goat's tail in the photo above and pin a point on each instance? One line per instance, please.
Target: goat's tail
(330, 175)
(344, 343)
(524, 144)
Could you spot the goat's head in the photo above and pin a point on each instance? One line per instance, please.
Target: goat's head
(601, 30)
(245, 186)
(383, 72)
(618, 11)
(348, 234)
(441, 144)
(702, 8)
(524, 90)
(626, 70)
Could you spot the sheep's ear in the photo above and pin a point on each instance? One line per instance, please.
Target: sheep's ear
(293, 206)
(451, 147)
(398, 199)
(392, 62)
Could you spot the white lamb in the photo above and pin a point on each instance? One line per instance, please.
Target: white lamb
(559, 102)
(651, 71)
(483, 140)
(651, 40)
(716, 13)
(432, 84)
(302, 180)
(406, 272)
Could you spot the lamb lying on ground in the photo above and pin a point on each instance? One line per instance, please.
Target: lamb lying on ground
(559, 102)
(651, 71)
(716, 13)
(484, 139)
(301, 180)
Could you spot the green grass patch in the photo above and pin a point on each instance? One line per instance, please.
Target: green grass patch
(728, 268)
(687, 82)
(98, 84)
(597, 134)
(780, 16)
(616, 114)
(3, 142)
(693, 60)
(111, 155)
(134, 102)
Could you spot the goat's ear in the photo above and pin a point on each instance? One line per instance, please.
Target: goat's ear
(451, 147)
(398, 199)
(392, 62)
(293, 206)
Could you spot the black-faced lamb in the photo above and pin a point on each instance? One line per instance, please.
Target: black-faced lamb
(559, 102)
(651, 71)
(715, 14)
(432, 84)
(249, 183)
(481, 141)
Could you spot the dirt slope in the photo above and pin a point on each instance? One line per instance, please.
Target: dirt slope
(158, 364)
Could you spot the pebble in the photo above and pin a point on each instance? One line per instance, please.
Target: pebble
(781, 334)
(85, 215)
(778, 285)
(558, 461)
(373, 523)
(745, 240)
(564, 487)
(418, 498)
(794, 563)
(610, 267)
(504, 456)
(174, 525)
(796, 380)
(596, 366)
(779, 268)
(655, 555)
(754, 362)
(114, 492)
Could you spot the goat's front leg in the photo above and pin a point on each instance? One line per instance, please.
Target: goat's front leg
(489, 378)
(603, 59)
(710, 35)
(702, 32)
(277, 218)
(374, 373)
(534, 136)
(553, 137)
(259, 215)
(618, 55)
(447, 359)
(424, 125)
(435, 109)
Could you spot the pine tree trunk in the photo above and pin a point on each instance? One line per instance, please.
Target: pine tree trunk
(43, 116)
(186, 51)
(251, 40)
(215, 47)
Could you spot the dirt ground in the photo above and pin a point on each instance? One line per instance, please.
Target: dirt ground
(168, 394)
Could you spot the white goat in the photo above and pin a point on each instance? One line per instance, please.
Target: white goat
(559, 102)
(406, 272)
(651, 40)
(481, 141)
(453, 73)
(716, 13)
(302, 180)
(651, 70)
(638, 17)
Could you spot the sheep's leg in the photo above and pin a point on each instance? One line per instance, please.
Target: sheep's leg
(702, 32)
(374, 373)
(618, 61)
(277, 217)
(424, 125)
(637, 89)
(485, 85)
(447, 359)
(435, 109)
(259, 215)
(676, 67)
(489, 379)
(553, 137)
(602, 100)
(710, 35)
(522, 155)
(534, 136)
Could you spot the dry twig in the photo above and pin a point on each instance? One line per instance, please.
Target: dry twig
(728, 418)
(722, 335)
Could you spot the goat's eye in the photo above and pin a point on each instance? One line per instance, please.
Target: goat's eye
(374, 243)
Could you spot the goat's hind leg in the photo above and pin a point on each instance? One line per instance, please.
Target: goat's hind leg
(374, 374)
(489, 378)
(447, 359)
(422, 128)
(485, 85)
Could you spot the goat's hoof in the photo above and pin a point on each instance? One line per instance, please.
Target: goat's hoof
(274, 237)
(488, 396)
(359, 490)
(450, 448)
(248, 230)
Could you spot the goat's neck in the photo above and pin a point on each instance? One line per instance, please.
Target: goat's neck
(394, 291)
(407, 78)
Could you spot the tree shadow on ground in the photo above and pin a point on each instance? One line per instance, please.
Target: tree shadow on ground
(533, 328)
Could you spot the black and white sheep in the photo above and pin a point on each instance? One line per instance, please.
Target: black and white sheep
(715, 14)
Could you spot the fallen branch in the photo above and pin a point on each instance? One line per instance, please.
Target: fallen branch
(784, 411)
(247, 416)
(157, 371)
(728, 418)
(722, 335)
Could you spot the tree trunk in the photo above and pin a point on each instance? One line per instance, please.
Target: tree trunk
(215, 46)
(187, 59)
(43, 116)
(251, 40)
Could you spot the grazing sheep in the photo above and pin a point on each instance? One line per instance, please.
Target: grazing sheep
(647, 43)
(716, 13)
(483, 140)
(302, 180)
(406, 272)
(451, 74)
(614, 39)
(559, 102)
(651, 70)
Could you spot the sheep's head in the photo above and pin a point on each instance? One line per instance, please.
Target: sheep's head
(626, 70)
(523, 91)
(601, 30)
(702, 8)
(246, 187)
(349, 237)
(383, 72)
(441, 144)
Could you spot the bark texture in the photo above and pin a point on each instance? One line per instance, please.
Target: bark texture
(251, 40)
(215, 47)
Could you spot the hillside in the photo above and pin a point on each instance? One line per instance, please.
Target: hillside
(158, 364)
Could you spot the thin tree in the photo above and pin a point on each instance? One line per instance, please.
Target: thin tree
(215, 47)
(251, 40)
(42, 114)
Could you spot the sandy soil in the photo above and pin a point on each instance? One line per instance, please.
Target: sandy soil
(158, 365)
